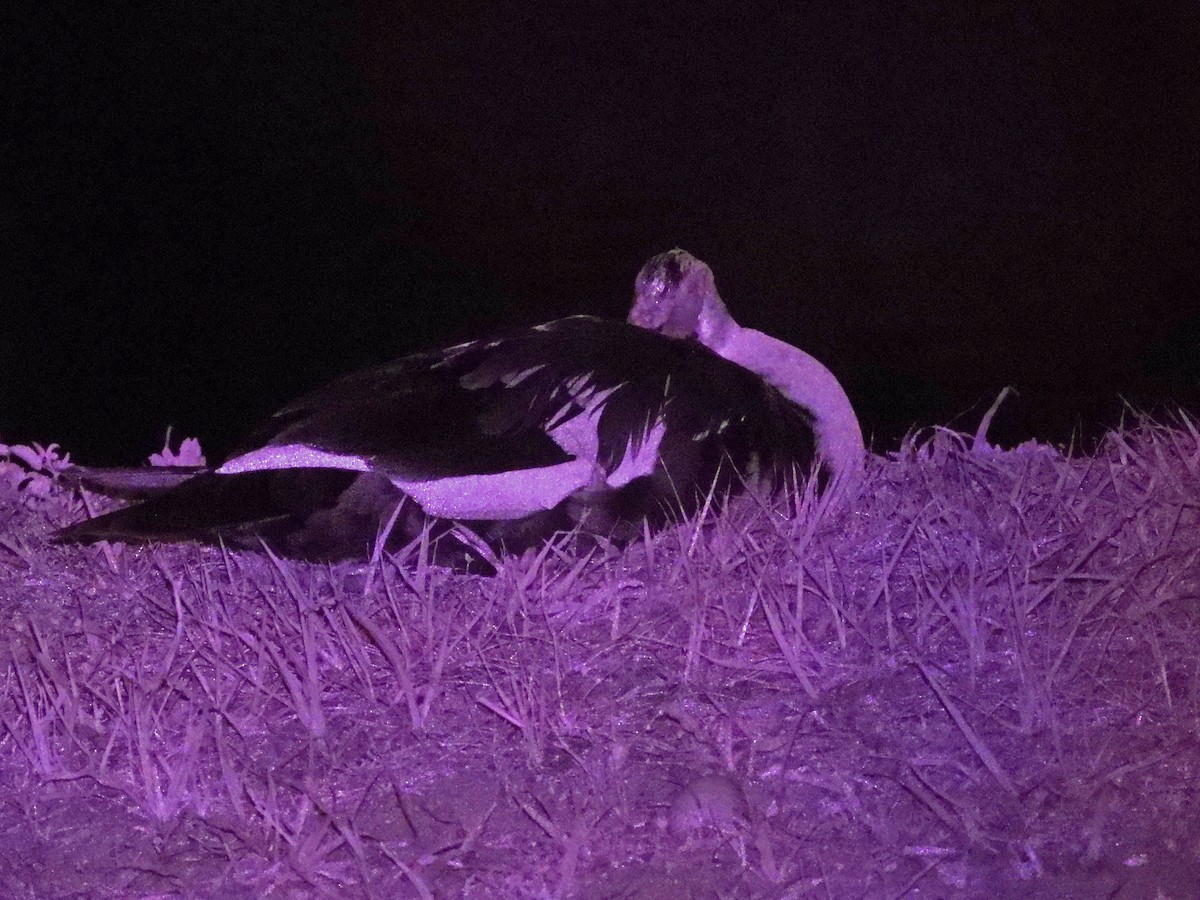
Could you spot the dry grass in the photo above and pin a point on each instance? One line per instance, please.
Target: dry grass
(980, 682)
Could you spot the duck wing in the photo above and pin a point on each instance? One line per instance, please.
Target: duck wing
(580, 421)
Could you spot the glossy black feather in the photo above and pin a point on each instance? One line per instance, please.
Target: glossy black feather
(489, 407)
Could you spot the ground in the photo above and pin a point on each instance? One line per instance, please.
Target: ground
(977, 680)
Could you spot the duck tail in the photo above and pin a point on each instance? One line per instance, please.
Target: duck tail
(133, 482)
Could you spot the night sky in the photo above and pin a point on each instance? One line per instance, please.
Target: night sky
(209, 208)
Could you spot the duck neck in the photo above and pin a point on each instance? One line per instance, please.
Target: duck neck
(800, 378)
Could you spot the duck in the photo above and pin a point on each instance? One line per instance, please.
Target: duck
(586, 425)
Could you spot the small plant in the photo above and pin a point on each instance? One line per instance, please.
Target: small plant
(189, 453)
(41, 469)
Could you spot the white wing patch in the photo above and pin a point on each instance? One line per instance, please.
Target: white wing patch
(506, 495)
(512, 379)
(579, 435)
(513, 495)
(635, 464)
(292, 456)
(450, 354)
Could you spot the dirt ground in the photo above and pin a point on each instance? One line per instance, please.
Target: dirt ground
(980, 680)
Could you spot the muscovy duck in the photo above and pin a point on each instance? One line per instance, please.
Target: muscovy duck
(580, 423)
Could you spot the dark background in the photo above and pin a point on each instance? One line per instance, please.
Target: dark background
(209, 208)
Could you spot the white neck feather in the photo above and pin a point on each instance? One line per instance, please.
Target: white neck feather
(675, 295)
(796, 375)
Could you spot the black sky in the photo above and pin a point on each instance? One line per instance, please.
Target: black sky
(211, 207)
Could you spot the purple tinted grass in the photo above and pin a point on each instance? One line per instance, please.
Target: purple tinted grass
(962, 681)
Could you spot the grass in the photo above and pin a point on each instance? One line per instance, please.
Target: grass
(979, 681)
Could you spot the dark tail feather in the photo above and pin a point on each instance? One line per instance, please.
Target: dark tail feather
(134, 483)
(307, 513)
(313, 514)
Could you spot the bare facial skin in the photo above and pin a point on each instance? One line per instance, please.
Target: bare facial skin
(669, 294)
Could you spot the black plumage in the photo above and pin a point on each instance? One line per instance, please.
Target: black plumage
(580, 422)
